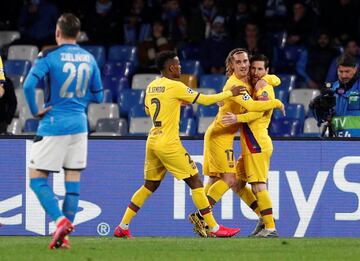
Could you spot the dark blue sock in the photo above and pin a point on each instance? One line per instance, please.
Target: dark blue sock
(71, 202)
(46, 197)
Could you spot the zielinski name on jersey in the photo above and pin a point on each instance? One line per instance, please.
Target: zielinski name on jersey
(156, 89)
(77, 57)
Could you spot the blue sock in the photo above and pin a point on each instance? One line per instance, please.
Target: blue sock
(46, 197)
(71, 201)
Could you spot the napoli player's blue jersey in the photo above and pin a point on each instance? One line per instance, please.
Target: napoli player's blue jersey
(73, 79)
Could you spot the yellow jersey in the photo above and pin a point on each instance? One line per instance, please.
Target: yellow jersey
(2, 76)
(163, 102)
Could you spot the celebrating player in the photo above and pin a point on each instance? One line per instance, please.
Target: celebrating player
(61, 139)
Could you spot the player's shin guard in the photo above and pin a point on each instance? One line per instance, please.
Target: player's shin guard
(265, 206)
(249, 198)
(46, 197)
(216, 191)
(137, 200)
(202, 204)
(71, 202)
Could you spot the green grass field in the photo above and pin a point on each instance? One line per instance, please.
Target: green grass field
(146, 248)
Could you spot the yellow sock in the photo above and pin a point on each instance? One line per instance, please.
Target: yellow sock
(265, 206)
(202, 204)
(137, 200)
(249, 198)
(216, 191)
(207, 187)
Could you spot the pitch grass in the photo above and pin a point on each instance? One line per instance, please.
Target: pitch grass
(147, 248)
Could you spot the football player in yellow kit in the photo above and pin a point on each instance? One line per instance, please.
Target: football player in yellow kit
(219, 163)
(164, 150)
(256, 146)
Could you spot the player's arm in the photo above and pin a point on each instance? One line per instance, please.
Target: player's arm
(249, 104)
(147, 107)
(271, 79)
(230, 118)
(185, 93)
(96, 87)
(37, 72)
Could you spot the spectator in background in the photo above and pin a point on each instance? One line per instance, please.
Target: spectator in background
(216, 47)
(275, 15)
(102, 23)
(156, 43)
(239, 19)
(314, 61)
(175, 21)
(347, 87)
(37, 22)
(8, 101)
(252, 41)
(351, 48)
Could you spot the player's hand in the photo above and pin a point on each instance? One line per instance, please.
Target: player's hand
(228, 119)
(2, 90)
(237, 90)
(220, 103)
(260, 84)
(42, 112)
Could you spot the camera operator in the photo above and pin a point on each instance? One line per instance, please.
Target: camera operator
(347, 92)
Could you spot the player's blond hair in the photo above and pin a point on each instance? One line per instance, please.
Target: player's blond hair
(230, 58)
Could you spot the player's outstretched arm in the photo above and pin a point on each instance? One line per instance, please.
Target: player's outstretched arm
(213, 98)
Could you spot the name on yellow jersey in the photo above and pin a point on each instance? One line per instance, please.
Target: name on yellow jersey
(156, 89)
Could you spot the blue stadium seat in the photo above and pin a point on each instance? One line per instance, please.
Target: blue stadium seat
(138, 110)
(145, 32)
(128, 98)
(114, 125)
(17, 67)
(187, 112)
(108, 97)
(285, 128)
(282, 95)
(31, 125)
(120, 69)
(123, 53)
(214, 81)
(191, 67)
(287, 82)
(98, 52)
(189, 52)
(285, 59)
(293, 111)
(207, 111)
(188, 127)
(115, 84)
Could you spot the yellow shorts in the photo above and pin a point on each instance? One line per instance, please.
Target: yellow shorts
(173, 158)
(254, 167)
(218, 155)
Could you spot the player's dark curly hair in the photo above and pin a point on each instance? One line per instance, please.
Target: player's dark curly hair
(163, 57)
(69, 25)
(260, 58)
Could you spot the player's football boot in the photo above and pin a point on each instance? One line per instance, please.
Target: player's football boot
(267, 233)
(200, 226)
(119, 232)
(66, 243)
(63, 229)
(225, 232)
(259, 226)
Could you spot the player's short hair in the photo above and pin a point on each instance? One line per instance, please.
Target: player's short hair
(163, 57)
(346, 60)
(69, 25)
(230, 58)
(260, 58)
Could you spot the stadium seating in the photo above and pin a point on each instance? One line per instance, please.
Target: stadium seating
(115, 84)
(207, 111)
(98, 52)
(108, 97)
(23, 52)
(293, 111)
(7, 37)
(100, 111)
(23, 109)
(303, 96)
(189, 52)
(282, 95)
(83, 37)
(17, 80)
(140, 125)
(145, 32)
(128, 98)
(111, 127)
(189, 80)
(187, 112)
(203, 123)
(285, 128)
(214, 81)
(138, 111)
(310, 126)
(31, 126)
(15, 127)
(285, 59)
(17, 67)
(191, 67)
(187, 127)
(287, 82)
(141, 81)
(123, 53)
(206, 91)
(119, 69)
